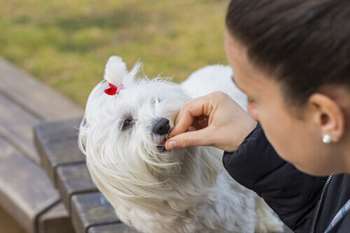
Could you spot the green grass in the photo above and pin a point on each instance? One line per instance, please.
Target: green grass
(65, 43)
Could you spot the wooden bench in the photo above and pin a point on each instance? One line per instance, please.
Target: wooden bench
(89, 211)
(26, 192)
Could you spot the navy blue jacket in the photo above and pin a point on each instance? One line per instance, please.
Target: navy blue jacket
(304, 203)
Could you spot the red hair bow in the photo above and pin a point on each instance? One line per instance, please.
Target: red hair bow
(113, 89)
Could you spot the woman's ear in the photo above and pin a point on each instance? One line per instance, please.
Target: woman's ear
(328, 115)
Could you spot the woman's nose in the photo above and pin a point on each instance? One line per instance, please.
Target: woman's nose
(161, 126)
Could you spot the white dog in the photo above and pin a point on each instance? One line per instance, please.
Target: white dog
(155, 191)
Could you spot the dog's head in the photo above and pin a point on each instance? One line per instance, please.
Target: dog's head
(122, 136)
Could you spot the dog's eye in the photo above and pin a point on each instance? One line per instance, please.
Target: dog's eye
(127, 123)
(156, 100)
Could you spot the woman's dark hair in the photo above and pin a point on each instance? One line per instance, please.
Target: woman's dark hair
(304, 43)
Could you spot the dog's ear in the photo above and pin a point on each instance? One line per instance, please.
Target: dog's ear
(137, 72)
(115, 70)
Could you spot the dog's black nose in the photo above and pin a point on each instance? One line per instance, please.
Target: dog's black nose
(161, 127)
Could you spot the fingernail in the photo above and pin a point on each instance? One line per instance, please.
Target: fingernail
(171, 145)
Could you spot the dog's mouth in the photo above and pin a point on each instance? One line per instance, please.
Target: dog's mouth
(161, 146)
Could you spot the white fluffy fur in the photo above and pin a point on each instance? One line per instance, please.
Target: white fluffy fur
(181, 191)
(115, 70)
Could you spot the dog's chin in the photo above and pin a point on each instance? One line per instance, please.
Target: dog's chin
(160, 144)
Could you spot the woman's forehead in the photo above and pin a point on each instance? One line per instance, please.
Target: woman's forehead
(249, 77)
(236, 54)
(235, 50)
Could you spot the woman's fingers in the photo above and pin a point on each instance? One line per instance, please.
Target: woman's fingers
(200, 122)
(190, 138)
(193, 110)
(212, 120)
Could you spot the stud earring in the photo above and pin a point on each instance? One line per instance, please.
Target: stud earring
(327, 139)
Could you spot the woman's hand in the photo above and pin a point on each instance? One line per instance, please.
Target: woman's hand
(212, 120)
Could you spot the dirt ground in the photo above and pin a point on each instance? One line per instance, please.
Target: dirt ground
(8, 224)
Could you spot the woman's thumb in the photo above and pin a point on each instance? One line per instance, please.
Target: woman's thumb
(190, 138)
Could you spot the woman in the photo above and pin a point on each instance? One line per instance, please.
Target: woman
(292, 59)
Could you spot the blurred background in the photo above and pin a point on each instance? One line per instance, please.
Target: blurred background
(65, 43)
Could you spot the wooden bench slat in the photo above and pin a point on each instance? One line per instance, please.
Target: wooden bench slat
(35, 96)
(73, 179)
(17, 125)
(57, 130)
(112, 228)
(89, 210)
(57, 144)
(56, 220)
(25, 190)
